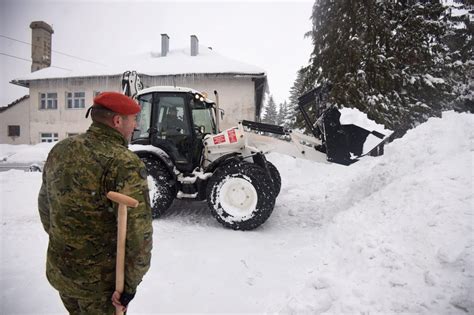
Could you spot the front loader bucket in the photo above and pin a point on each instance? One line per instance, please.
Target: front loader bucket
(345, 144)
(342, 143)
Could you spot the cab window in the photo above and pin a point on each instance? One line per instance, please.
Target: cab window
(144, 117)
(172, 118)
(203, 116)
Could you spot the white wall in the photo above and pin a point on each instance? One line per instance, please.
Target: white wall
(18, 114)
(64, 120)
(236, 97)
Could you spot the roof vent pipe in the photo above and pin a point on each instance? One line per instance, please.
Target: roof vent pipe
(165, 44)
(194, 45)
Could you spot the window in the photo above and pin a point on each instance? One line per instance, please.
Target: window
(48, 100)
(13, 131)
(72, 134)
(49, 137)
(76, 99)
(172, 118)
(144, 117)
(203, 116)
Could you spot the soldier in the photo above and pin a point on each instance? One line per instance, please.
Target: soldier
(82, 223)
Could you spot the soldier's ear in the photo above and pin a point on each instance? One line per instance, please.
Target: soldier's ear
(117, 121)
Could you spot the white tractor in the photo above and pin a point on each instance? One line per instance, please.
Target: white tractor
(187, 156)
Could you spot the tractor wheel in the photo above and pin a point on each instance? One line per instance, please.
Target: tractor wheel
(162, 190)
(241, 195)
(276, 178)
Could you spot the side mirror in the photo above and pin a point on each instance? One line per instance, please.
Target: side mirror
(221, 112)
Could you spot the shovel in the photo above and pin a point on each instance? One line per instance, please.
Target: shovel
(123, 202)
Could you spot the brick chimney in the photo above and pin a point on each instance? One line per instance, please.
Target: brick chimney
(194, 45)
(165, 44)
(40, 45)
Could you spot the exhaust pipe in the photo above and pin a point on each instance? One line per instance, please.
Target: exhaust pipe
(217, 111)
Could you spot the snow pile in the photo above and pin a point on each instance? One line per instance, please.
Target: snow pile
(385, 235)
(399, 234)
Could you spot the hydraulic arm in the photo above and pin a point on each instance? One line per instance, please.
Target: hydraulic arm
(329, 140)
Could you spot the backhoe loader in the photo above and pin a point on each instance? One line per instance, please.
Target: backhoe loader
(187, 156)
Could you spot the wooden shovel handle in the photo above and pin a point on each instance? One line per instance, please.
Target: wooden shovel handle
(122, 199)
(124, 202)
(120, 260)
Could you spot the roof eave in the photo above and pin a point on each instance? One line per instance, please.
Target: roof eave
(238, 74)
(15, 102)
(23, 83)
(26, 82)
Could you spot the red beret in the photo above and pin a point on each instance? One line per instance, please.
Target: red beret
(117, 102)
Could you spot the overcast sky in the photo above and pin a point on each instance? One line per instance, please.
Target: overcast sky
(267, 34)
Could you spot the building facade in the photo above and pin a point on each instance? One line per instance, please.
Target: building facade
(58, 99)
(57, 107)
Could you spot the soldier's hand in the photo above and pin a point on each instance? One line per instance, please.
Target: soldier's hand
(116, 301)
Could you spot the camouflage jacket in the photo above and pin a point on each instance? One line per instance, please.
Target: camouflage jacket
(82, 223)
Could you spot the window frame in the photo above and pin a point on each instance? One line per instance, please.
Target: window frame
(53, 137)
(75, 101)
(10, 129)
(47, 98)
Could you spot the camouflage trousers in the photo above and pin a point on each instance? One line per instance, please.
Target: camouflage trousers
(80, 306)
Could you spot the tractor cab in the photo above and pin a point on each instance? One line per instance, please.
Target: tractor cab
(175, 120)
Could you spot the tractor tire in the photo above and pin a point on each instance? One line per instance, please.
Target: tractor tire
(276, 178)
(241, 195)
(162, 190)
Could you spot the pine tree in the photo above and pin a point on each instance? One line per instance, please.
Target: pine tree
(294, 119)
(281, 116)
(382, 57)
(270, 115)
(459, 44)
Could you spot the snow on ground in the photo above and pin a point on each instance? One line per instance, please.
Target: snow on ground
(23, 153)
(392, 234)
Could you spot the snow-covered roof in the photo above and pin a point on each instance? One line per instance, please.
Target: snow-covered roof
(176, 62)
(15, 102)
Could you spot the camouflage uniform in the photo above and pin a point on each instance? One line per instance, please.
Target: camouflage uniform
(81, 221)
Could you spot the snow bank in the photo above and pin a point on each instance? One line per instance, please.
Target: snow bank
(400, 238)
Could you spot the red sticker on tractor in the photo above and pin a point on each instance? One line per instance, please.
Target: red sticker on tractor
(232, 136)
(219, 139)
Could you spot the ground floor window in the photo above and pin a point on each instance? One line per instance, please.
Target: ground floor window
(49, 137)
(13, 131)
